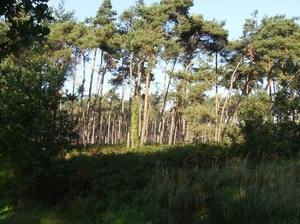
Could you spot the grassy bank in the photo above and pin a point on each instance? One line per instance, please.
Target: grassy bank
(182, 184)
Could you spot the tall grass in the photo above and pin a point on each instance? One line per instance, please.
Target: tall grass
(268, 193)
(176, 186)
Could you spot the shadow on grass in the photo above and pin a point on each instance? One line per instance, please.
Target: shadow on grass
(6, 199)
(161, 184)
(98, 177)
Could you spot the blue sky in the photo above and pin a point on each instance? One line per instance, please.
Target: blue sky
(233, 11)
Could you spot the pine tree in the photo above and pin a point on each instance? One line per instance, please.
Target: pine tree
(26, 22)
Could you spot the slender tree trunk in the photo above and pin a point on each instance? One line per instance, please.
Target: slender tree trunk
(173, 122)
(101, 98)
(122, 117)
(183, 102)
(88, 111)
(146, 107)
(100, 129)
(112, 126)
(187, 138)
(217, 139)
(96, 98)
(184, 129)
(81, 111)
(93, 129)
(108, 126)
(135, 114)
(160, 131)
(73, 91)
(140, 115)
(269, 76)
(227, 97)
(130, 99)
(245, 91)
(134, 122)
(120, 130)
(147, 128)
(175, 134)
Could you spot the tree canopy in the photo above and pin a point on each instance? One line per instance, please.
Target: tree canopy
(22, 23)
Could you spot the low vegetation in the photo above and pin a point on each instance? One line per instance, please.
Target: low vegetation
(198, 183)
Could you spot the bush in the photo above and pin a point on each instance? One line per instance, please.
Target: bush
(269, 138)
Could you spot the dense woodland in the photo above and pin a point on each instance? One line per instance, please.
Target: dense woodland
(210, 89)
(153, 75)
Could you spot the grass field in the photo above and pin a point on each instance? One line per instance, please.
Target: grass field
(156, 184)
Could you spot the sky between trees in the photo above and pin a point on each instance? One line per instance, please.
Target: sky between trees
(233, 11)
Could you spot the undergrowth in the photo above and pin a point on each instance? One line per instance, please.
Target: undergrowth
(181, 184)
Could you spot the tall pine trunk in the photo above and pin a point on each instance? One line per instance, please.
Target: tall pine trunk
(122, 119)
(161, 125)
(73, 92)
(129, 133)
(88, 111)
(101, 98)
(135, 112)
(217, 139)
(81, 111)
(172, 135)
(227, 98)
(94, 126)
(146, 107)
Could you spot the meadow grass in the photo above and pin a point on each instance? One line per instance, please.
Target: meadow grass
(182, 184)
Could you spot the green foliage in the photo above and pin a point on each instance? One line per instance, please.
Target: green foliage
(194, 183)
(135, 122)
(261, 134)
(255, 107)
(32, 128)
(25, 21)
(6, 194)
(286, 105)
(269, 123)
(60, 14)
(179, 184)
(105, 15)
(199, 114)
(260, 195)
(264, 137)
